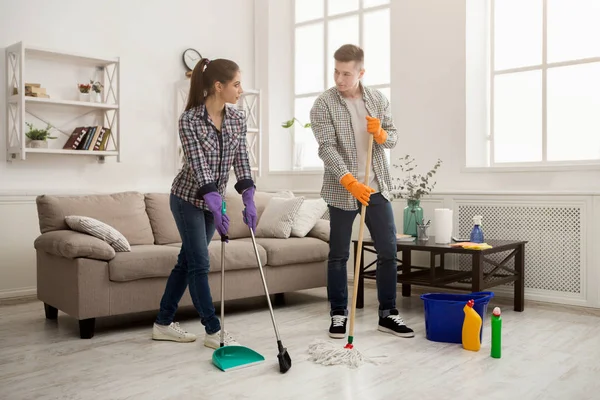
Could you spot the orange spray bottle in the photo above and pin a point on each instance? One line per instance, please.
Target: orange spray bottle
(471, 328)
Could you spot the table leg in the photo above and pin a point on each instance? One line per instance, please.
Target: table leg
(360, 296)
(520, 282)
(406, 263)
(477, 271)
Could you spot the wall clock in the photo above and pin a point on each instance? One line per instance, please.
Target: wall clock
(191, 58)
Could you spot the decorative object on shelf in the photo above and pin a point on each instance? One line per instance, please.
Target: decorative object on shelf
(412, 187)
(191, 58)
(84, 91)
(97, 91)
(38, 137)
(35, 90)
(299, 148)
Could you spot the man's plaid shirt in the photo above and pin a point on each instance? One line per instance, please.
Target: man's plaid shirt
(332, 126)
(210, 155)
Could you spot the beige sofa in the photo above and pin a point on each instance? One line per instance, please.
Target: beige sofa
(85, 278)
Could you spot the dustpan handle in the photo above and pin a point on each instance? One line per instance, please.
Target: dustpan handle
(224, 239)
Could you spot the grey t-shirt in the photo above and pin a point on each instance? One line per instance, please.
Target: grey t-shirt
(358, 113)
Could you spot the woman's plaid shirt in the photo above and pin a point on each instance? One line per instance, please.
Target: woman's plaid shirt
(209, 155)
(332, 126)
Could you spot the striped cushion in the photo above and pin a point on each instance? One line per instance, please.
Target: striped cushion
(278, 218)
(98, 229)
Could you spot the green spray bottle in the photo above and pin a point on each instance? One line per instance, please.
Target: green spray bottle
(496, 333)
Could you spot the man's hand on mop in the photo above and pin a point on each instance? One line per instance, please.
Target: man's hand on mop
(359, 190)
(374, 128)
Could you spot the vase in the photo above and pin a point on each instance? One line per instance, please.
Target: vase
(413, 214)
(37, 144)
(97, 97)
(84, 96)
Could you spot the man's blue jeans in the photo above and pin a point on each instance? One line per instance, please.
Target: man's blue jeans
(380, 222)
(196, 228)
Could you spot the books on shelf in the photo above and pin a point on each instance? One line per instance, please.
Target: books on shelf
(93, 138)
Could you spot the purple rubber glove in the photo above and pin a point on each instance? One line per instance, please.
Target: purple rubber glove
(214, 202)
(250, 214)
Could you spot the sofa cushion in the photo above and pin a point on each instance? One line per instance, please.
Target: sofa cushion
(293, 250)
(125, 211)
(161, 218)
(154, 261)
(309, 213)
(237, 227)
(321, 230)
(93, 227)
(278, 218)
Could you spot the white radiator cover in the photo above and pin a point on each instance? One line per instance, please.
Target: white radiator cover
(557, 250)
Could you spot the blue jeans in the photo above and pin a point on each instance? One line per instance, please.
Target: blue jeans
(196, 228)
(380, 222)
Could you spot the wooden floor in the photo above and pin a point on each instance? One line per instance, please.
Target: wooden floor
(549, 353)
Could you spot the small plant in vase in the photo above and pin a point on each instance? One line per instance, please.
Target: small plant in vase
(413, 187)
(37, 137)
(299, 148)
(84, 91)
(97, 89)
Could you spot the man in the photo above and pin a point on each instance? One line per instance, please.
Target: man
(342, 118)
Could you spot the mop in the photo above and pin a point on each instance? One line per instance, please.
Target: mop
(327, 353)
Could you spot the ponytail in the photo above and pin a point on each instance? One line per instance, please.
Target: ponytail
(196, 95)
(204, 76)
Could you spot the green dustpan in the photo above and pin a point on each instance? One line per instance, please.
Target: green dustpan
(230, 357)
(233, 357)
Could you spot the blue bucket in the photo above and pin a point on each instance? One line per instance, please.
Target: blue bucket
(444, 314)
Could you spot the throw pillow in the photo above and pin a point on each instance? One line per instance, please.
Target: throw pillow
(278, 218)
(100, 230)
(310, 212)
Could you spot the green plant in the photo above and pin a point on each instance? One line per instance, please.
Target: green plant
(38, 134)
(291, 122)
(413, 186)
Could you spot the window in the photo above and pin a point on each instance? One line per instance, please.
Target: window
(321, 27)
(543, 82)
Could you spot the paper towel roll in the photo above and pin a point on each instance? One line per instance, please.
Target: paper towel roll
(442, 221)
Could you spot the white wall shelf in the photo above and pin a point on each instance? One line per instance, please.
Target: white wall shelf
(21, 60)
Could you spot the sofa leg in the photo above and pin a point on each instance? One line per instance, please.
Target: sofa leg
(86, 328)
(51, 312)
(279, 299)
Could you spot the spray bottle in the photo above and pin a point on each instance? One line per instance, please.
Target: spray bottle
(496, 333)
(471, 329)
(477, 233)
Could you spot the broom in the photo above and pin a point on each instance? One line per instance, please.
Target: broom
(327, 353)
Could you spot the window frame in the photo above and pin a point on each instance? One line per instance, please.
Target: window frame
(543, 67)
(325, 21)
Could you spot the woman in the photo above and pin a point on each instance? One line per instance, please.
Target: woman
(213, 137)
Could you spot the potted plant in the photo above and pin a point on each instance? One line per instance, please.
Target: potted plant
(97, 89)
(84, 91)
(412, 187)
(299, 149)
(37, 137)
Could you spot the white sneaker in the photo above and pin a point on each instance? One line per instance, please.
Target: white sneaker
(214, 341)
(171, 332)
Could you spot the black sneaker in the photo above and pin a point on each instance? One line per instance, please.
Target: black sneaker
(337, 330)
(395, 325)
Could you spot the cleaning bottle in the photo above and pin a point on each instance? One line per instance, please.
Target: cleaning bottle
(496, 333)
(471, 328)
(476, 233)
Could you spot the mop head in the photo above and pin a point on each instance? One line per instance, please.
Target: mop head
(327, 353)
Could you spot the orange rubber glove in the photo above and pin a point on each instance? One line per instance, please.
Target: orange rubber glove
(359, 190)
(374, 128)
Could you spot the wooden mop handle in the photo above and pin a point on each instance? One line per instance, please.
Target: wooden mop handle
(361, 230)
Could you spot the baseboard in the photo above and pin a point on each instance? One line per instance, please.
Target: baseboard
(24, 294)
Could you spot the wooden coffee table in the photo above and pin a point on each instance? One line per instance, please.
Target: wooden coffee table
(436, 275)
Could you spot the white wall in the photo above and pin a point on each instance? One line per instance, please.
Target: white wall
(149, 37)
